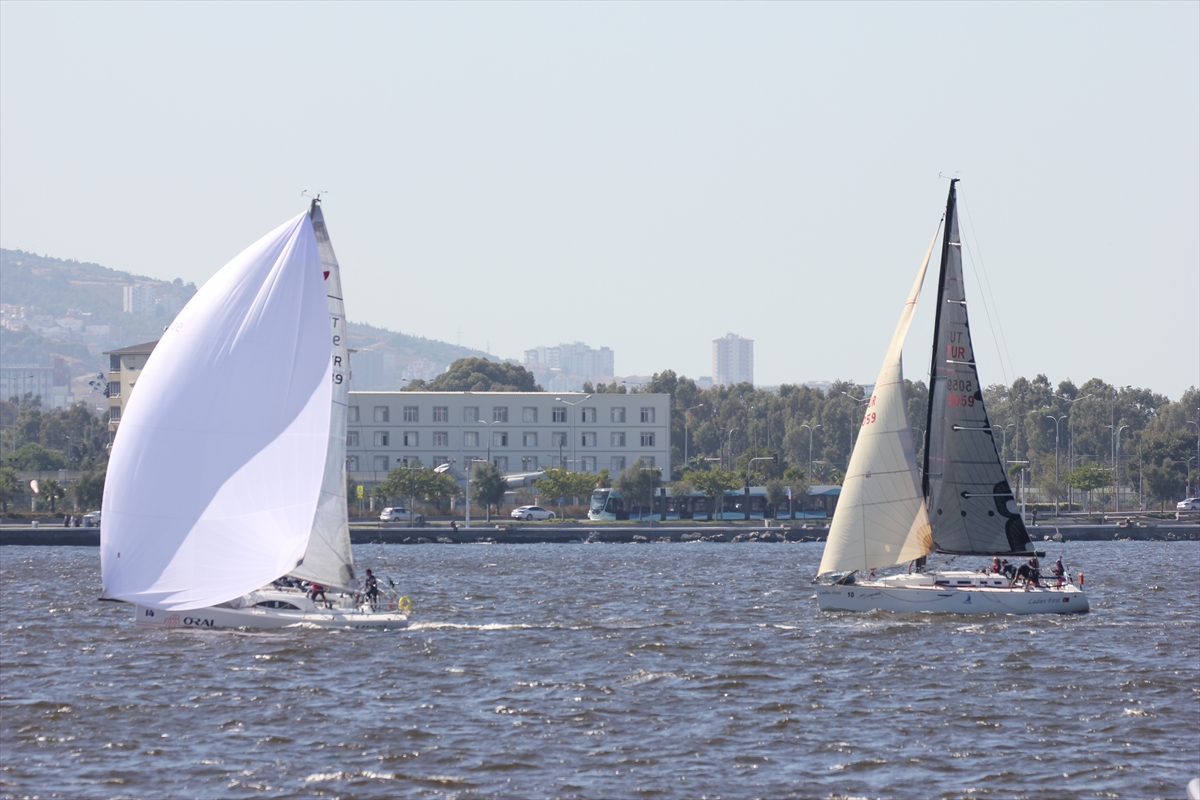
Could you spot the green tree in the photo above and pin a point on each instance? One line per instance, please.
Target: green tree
(713, 483)
(53, 491)
(776, 493)
(1089, 477)
(637, 483)
(479, 375)
(488, 487)
(10, 487)
(33, 456)
(88, 490)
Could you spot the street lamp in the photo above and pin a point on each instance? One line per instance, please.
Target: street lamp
(1117, 464)
(490, 433)
(1057, 420)
(685, 432)
(854, 431)
(470, 465)
(811, 428)
(1071, 449)
(729, 448)
(1003, 438)
(1197, 424)
(569, 403)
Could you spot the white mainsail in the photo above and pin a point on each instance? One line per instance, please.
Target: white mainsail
(215, 474)
(329, 560)
(881, 518)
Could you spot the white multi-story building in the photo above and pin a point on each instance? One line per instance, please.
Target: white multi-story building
(138, 299)
(566, 367)
(733, 360)
(516, 431)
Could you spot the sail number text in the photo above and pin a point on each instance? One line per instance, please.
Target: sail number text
(869, 417)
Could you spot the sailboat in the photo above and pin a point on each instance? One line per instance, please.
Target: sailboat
(959, 504)
(226, 486)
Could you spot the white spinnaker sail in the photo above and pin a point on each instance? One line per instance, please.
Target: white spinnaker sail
(329, 560)
(216, 469)
(881, 518)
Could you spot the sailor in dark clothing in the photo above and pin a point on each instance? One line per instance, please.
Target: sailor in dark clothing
(372, 586)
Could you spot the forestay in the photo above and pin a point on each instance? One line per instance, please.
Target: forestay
(213, 482)
(971, 505)
(881, 518)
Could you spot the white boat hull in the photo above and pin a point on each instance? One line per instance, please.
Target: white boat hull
(926, 595)
(273, 609)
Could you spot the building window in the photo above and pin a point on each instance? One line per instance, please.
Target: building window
(588, 464)
(352, 463)
(587, 414)
(381, 463)
(529, 464)
(352, 439)
(382, 414)
(529, 414)
(441, 413)
(559, 461)
(410, 439)
(500, 414)
(411, 414)
(471, 439)
(618, 414)
(499, 438)
(648, 414)
(381, 438)
(529, 439)
(587, 439)
(471, 414)
(558, 415)
(501, 463)
(114, 413)
(618, 440)
(114, 388)
(647, 439)
(439, 460)
(558, 439)
(618, 465)
(441, 438)
(114, 363)
(647, 460)
(352, 414)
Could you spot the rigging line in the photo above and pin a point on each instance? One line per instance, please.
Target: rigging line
(994, 311)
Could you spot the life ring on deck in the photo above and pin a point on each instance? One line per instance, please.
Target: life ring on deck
(404, 604)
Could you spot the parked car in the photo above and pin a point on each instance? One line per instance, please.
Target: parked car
(532, 512)
(91, 519)
(1191, 504)
(400, 514)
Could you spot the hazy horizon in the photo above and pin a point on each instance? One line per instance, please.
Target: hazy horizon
(645, 177)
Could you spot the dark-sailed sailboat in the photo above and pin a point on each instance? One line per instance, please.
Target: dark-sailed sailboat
(960, 504)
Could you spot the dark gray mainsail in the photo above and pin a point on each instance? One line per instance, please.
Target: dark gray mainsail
(971, 506)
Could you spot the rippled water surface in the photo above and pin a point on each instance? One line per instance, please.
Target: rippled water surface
(684, 670)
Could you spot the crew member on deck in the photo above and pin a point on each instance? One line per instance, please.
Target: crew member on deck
(372, 590)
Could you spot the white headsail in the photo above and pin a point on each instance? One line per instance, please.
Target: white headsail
(329, 560)
(215, 473)
(881, 518)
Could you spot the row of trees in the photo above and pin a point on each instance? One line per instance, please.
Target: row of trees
(35, 440)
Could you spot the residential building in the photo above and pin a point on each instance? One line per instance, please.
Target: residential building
(733, 360)
(124, 367)
(516, 431)
(138, 300)
(52, 384)
(566, 367)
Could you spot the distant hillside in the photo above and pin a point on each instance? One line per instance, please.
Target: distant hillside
(75, 310)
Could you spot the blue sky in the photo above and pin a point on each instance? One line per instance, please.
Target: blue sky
(645, 176)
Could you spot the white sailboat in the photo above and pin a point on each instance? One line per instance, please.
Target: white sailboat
(228, 471)
(960, 504)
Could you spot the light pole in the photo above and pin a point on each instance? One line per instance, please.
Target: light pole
(1117, 464)
(811, 428)
(854, 431)
(685, 432)
(1197, 424)
(470, 465)
(1071, 449)
(490, 432)
(729, 447)
(1057, 420)
(569, 403)
(1004, 439)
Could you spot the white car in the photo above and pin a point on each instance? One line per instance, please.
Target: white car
(91, 519)
(1191, 504)
(531, 513)
(399, 514)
